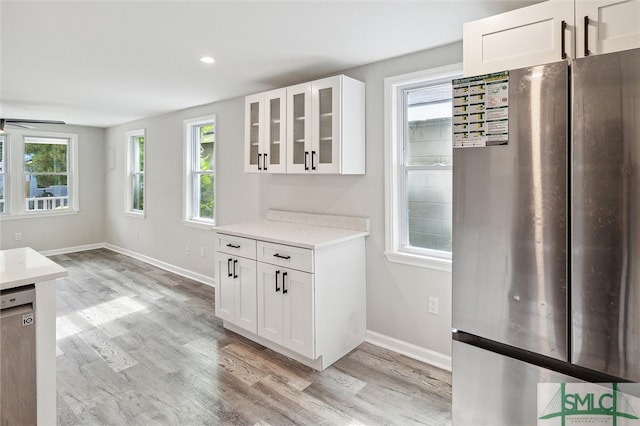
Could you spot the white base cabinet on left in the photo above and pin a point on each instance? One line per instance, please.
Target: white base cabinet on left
(236, 281)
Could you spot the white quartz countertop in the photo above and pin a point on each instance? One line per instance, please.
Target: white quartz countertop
(23, 266)
(293, 234)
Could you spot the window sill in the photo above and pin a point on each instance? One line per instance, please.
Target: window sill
(201, 225)
(428, 262)
(33, 215)
(137, 215)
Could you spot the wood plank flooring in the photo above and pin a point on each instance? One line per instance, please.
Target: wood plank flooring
(138, 345)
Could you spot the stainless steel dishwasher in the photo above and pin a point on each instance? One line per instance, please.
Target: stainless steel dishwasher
(18, 403)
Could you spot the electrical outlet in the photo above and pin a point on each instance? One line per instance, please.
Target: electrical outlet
(202, 251)
(188, 250)
(18, 236)
(433, 305)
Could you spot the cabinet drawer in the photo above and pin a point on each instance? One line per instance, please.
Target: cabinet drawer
(287, 256)
(244, 247)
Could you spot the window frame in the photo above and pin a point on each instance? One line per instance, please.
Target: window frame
(130, 173)
(15, 193)
(395, 189)
(192, 172)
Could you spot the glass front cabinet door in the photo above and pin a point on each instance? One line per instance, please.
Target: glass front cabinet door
(265, 130)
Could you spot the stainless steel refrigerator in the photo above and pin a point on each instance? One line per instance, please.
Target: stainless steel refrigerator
(546, 240)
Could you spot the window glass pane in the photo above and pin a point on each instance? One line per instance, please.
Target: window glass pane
(50, 156)
(429, 211)
(205, 147)
(428, 139)
(206, 200)
(1, 193)
(1, 155)
(46, 192)
(138, 154)
(138, 192)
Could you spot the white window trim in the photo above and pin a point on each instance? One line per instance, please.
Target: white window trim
(188, 199)
(394, 195)
(128, 191)
(5, 172)
(15, 202)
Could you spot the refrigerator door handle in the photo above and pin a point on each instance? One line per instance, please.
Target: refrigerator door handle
(563, 30)
(586, 36)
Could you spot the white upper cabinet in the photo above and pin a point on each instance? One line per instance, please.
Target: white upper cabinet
(265, 130)
(537, 34)
(607, 26)
(314, 127)
(548, 32)
(325, 126)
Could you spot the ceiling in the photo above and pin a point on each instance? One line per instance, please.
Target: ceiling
(103, 63)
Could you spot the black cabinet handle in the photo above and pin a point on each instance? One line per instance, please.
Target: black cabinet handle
(306, 155)
(277, 288)
(264, 167)
(586, 36)
(229, 274)
(281, 256)
(259, 158)
(313, 154)
(563, 29)
(235, 262)
(284, 287)
(232, 246)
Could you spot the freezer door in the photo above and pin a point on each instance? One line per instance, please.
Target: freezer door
(510, 230)
(494, 390)
(605, 214)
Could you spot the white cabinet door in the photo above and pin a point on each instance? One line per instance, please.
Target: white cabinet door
(299, 128)
(236, 294)
(610, 25)
(533, 35)
(299, 312)
(270, 310)
(265, 130)
(326, 125)
(225, 288)
(253, 131)
(244, 271)
(274, 159)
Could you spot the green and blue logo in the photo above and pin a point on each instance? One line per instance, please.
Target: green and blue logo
(586, 403)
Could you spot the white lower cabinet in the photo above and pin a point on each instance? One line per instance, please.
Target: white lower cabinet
(285, 308)
(309, 304)
(236, 286)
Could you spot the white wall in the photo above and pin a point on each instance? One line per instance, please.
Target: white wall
(84, 228)
(397, 295)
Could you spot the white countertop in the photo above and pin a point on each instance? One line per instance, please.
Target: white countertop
(23, 266)
(295, 234)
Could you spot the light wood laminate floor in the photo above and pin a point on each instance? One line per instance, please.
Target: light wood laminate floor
(141, 346)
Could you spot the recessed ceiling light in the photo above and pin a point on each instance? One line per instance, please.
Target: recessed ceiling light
(207, 60)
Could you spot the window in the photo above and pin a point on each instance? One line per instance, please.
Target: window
(3, 173)
(135, 173)
(46, 173)
(419, 167)
(200, 149)
(38, 174)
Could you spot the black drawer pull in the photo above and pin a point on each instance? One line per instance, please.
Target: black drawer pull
(232, 246)
(281, 256)
(284, 287)
(277, 288)
(235, 262)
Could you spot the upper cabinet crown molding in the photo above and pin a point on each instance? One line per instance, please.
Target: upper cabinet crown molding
(548, 32)
(320, 128)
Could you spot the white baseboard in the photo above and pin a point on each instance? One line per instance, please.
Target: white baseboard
(163, 265)
(409, 349)
(150, 260)
(75, 249)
